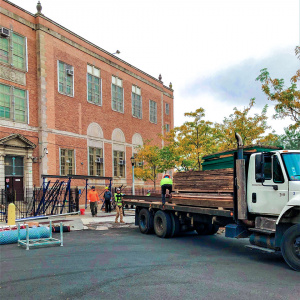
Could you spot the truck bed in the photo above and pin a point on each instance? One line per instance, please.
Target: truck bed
(155, 203)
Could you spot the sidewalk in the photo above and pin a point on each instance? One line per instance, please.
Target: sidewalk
(103, 221)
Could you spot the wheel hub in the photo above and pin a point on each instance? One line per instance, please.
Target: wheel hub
(296, 247)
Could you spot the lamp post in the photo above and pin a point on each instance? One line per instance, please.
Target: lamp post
(132, 164)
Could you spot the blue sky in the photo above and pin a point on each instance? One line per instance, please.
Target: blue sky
(211, 50)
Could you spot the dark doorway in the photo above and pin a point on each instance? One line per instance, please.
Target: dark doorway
(14, 187)
(14, 169)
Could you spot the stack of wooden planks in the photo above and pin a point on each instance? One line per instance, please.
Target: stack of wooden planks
(210, 188)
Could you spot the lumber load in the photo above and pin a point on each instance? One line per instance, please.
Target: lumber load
(211, 201)
(209, 181)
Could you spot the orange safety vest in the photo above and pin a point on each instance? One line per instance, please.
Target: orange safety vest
(93, 196)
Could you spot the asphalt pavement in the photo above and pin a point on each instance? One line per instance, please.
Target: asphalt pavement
(122, 263)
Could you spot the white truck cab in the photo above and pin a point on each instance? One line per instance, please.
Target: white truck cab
(273, 184)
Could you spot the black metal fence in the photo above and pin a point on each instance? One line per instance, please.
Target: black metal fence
(40, 201)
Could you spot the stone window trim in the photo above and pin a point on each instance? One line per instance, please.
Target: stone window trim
(137, 102)
(65, 79)
(12, 105)
(167, 109)
(73, 163)
(97, 166)
(153, 111)
(117, 83)
(10, 51)
(95, 73)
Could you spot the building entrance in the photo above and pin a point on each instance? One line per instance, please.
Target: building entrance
(14, 170)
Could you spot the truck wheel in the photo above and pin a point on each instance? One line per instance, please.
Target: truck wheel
(206, 229)
(145, 221)
(175, 225)
(162, 224)
(290, 247)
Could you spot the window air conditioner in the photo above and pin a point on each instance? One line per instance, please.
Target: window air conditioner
(99, 160)
(4, 32)
(122, 162)
(70, 72)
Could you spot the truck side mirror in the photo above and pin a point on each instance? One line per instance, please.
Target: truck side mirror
(259, 167)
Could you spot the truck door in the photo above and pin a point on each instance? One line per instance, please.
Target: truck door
(264, 199)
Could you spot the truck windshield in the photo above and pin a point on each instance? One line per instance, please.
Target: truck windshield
(292, 164)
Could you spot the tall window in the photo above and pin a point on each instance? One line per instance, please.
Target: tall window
(13, 103)
(67, 162)
(119, 164)
(95, 161)
(167, 108)
(93, 85)
(136, 102)
(65, 79)
(167, 127)
(117, 94)
(153, 111)
(13, 50)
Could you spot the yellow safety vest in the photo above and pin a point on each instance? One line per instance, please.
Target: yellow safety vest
(118, 199)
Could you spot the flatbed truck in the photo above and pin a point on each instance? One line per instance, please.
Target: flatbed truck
(266, 206)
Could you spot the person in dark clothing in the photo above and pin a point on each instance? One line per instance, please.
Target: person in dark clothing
(166, 184)
(107, 197)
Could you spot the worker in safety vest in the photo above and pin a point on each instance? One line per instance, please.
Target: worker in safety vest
(148, 193)
(93, 198)
(119, 206)
(166, 184)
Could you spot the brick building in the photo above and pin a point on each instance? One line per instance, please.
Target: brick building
(69, 107)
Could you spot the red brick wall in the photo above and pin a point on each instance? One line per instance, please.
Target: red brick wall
(74, 114)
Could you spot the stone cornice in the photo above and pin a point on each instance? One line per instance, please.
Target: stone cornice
(82, 48)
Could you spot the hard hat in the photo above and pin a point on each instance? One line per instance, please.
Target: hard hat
(118, 189)
(167, 176)
(106, 187)
(148, 191)
(93, 187)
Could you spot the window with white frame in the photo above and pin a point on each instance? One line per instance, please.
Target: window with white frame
(119, 164)
(13, 50)
(117, 94)
(93, 85)
(136, 102)
(95, 161)
(167, 108)
(153, 111)
(13, 103)
(67, 162)
(167, 127)
(65, 79)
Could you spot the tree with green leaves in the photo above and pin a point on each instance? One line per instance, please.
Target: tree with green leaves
(250, 128)
(287, 98)
(153, 163)
(189, 142)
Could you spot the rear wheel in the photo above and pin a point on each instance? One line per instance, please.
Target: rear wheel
(175, 225)
(145, 221)
(206, 229)
(162, 224)
(290, 247)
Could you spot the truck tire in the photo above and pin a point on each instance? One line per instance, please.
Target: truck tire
(175, 225)
(290, 247)
(206, 229)
(162, 224)
(145, 221)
